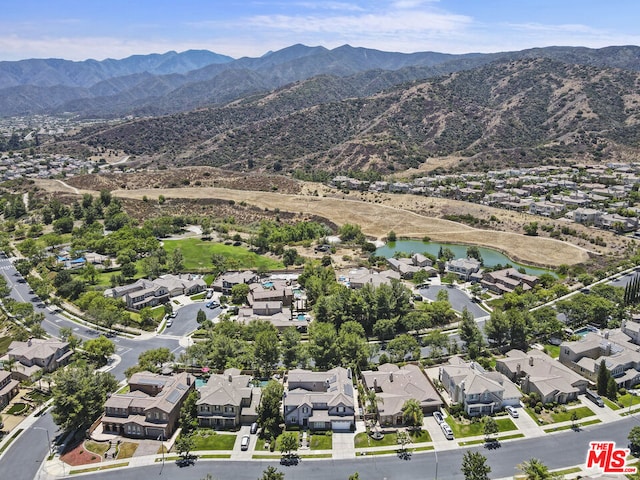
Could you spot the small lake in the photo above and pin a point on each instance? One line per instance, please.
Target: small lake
(491, 257)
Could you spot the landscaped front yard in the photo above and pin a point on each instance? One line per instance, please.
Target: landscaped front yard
(210, 440)
(363, 440)
(320, 441)
(468, 428)
(559, 414)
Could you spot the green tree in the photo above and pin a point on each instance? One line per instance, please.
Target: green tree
(269, 412)
(470, 333)
(323, 345)
(497, 329)
(391, 236)
(266, 351)
(490, 428)
(201, 316)
(403, 345)
(153, 359)
(412, 414)
(79, 394)
(288, 443)
(272, 473)
(98, 350)
(291, 347)
(534, 469)
(634, 439)
(176, 263)
(184, 445)
(289, 256)
(189, 413)
(531, 229)
(474, 466)
(602, 381)
(239, 293)
(574, 419)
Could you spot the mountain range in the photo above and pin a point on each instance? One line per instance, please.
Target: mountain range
(158, 84)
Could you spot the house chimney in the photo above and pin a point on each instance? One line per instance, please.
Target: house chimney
(391, 376)
(375, 383)
(188, 379)
(230, 378)
(29, 342)
(349, 372)
(606, 334)
(531, 361)
(518, 370)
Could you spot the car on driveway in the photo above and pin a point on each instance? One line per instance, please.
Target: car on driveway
(512, 411)
(244, 443)
(254, 428)
(169, 323)
(439, 418)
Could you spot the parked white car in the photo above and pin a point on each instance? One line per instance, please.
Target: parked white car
(512, 411)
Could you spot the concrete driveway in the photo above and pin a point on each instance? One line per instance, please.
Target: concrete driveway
(343, 445)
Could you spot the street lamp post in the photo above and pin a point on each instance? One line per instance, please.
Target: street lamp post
(436, 452)
(48, 439)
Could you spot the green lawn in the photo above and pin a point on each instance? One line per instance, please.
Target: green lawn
(581, 412)
(629, 400)
(552, 350)
(610, 404)
(127, 449)
(461, 430)
(99, 448)
(197, 255)
(321, 442)
(419, 436)
(4, 344)
(209, 440)
(363, 440)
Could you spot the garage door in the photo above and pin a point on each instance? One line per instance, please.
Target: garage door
(341, 425)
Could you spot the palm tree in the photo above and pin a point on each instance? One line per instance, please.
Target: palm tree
(373, 399)
(412, 414)
(534, 469)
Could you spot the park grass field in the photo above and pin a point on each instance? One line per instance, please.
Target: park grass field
(197, 255)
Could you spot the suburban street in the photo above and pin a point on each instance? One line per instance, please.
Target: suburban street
(555, 450)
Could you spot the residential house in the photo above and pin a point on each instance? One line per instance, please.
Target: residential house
(546, 209)
(8, 388)
(507, 280)
(479, 391)
(617, 347)
(228, 400)
(359, 278)
(184, 284)
(37, 355)
(225, 282)
(536, 372)
(320, 400)
(463, 267)
(140, 294)
(271, 291)
(151, 407)
(394, 386)
(587, 215)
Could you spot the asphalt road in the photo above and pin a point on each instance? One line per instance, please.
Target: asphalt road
(457, 298)
(555, 450)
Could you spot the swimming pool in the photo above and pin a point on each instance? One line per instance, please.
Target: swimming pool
(584, 330)
(267, 285)
(200, 382)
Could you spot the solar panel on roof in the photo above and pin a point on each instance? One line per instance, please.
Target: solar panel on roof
(173, 397)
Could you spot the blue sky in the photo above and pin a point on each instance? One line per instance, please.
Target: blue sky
(80, 29)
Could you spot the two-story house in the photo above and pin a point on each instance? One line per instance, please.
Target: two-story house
(394, 386)
(8, 388)
(480, 392)
(151, 407)
(320, 400)
(37, 354)
(228, 400)
(463, 267)
(539, 373)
